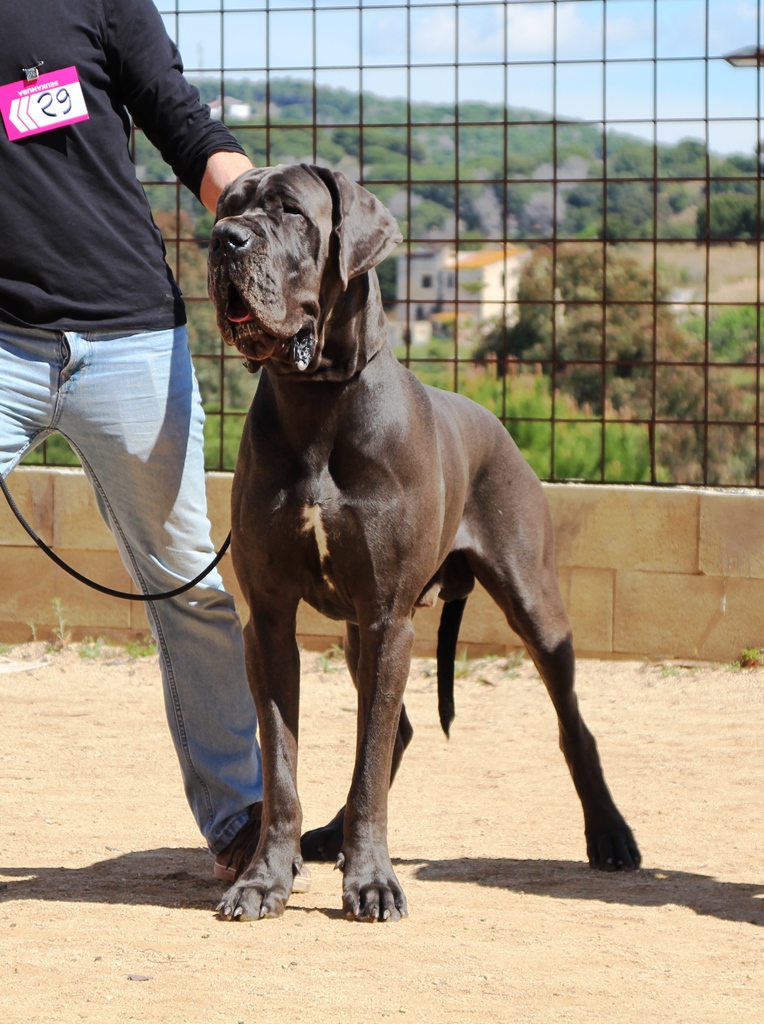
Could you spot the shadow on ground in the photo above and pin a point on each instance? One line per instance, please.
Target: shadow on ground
(161, 878)
(182, 879)
(571, 880)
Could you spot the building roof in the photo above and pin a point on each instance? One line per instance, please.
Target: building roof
(483, 257)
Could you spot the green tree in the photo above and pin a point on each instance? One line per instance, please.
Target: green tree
(687, 159)
(624, 355)
(732, 216)
(732, 333)
(524, 401)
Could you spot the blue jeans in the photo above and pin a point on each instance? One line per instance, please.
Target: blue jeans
(130, 408)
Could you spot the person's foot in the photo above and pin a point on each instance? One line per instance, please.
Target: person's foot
(235, 858)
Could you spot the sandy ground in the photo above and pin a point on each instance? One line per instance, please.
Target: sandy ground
(107, 899)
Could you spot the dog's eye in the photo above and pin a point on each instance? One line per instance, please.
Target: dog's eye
(294, 211)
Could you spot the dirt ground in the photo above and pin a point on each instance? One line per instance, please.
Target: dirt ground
(107, 897)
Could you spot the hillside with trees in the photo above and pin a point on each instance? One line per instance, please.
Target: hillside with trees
(604, 182)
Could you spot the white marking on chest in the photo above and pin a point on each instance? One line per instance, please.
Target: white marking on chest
(312, 521)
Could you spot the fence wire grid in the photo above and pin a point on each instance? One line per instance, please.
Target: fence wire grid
(578, 187)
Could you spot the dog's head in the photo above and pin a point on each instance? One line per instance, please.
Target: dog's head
(286, 243)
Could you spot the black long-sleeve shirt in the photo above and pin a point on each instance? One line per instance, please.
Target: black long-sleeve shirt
(78, 248)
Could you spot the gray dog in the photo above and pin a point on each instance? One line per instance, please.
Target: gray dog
(367, 494)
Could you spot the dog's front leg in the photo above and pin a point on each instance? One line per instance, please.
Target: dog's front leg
(273, 668)
(370, 889)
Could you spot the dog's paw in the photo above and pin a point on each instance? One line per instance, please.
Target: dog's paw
(252, 901)
(376, 901)
(325, 843)
(372, 896)
(613, 849)
(262, 893)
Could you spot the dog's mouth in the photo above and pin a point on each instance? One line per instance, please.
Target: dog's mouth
(258, 344)
(260, 338)
(247, 332)
(237, 311)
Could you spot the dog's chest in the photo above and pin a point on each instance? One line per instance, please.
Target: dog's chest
(326, 583)
(324, 541)
(313, 529)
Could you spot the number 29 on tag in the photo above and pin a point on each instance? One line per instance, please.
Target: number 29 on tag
(51, 101)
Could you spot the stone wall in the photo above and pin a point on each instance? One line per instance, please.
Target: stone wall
(645, 572)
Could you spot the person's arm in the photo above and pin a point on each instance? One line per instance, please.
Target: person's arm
(146, 76)
(222, 167)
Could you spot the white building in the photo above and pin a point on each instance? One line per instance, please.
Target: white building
(236, 110)
(475, 286)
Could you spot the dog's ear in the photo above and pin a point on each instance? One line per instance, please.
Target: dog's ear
(365, 230)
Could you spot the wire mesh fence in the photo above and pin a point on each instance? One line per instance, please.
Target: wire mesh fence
(578, 186)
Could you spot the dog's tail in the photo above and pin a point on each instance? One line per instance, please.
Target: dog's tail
(448, 635)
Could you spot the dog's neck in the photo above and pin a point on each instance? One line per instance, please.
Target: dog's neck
(353, 334)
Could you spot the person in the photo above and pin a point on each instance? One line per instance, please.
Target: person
(93, 346)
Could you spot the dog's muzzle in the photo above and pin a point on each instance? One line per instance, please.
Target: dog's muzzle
(231, 244)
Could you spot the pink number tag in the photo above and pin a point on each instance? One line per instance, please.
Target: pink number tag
(51, 101)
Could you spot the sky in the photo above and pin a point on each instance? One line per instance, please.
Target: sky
(513, 43)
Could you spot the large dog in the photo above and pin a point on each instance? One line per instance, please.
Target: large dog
(367, 494)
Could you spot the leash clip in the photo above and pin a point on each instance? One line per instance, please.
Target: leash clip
(33, 73)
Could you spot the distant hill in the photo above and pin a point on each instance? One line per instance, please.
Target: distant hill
(461, 166)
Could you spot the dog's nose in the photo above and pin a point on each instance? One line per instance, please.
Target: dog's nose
(232, 237)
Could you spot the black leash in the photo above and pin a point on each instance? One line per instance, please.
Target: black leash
(98, 586)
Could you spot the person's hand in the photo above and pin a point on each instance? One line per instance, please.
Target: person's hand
(222, 167)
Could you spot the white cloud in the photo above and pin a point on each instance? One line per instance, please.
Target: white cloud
(732, 25)
(433, 35)
(530, 31)
(630, 30)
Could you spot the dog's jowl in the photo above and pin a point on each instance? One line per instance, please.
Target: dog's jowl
(366, 493)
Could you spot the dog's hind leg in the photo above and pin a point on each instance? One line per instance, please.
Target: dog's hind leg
(518, 571)
(325, 843)
(610, 844)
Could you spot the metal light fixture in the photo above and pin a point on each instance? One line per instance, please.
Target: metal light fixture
(746, 57)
